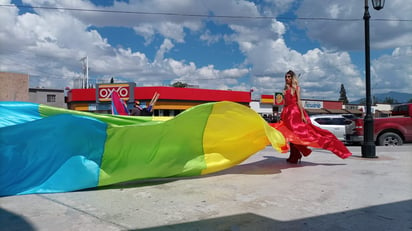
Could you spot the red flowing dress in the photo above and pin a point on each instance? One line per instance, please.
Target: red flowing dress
(303, 134)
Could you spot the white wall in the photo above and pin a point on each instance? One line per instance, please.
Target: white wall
(261, 108)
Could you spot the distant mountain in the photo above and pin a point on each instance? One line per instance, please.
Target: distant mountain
(398, 96)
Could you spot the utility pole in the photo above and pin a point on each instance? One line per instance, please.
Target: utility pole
(85, 61)
(368, 146)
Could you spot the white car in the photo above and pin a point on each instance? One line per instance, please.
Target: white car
(340, 126)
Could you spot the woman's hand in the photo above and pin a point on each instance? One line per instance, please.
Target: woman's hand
(304, 119)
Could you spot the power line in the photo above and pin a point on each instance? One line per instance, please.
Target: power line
(202, 15)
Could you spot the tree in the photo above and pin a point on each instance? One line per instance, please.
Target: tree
(375, 100)
(179, 84)
(410, 101)
(362, 101)
(342, 96)
(389, 100)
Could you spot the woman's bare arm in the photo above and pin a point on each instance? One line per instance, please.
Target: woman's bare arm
(300, 105)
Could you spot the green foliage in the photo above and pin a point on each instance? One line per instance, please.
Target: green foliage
(179, 84)
(389, 100)
(343, 96)
(362, 101)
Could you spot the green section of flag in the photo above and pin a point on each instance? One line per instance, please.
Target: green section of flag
(46, 111)
(166, 149)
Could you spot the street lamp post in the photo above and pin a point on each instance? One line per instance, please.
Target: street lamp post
(368, 146)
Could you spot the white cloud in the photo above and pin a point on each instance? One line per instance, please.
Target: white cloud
(48, 44)
(165, 47)
(209, 37)
(393, 72)
(349, 35)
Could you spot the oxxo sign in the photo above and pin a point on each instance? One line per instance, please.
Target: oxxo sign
(104, 91)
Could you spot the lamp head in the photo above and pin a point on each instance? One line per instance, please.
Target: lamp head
(378, 4)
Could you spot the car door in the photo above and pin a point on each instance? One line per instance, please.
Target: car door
(332, 125)
(339, 127)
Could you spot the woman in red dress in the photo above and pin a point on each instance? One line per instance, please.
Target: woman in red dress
(299, 129)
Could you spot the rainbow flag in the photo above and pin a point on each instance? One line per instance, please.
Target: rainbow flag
(45, 149)
(119, 107)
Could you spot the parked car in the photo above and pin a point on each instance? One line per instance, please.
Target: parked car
(388, 131)
(340, 126)
(351, 116)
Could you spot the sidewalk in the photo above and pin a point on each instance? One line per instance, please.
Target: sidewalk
(264, 193)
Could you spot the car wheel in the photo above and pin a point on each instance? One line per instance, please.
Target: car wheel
(390, 139)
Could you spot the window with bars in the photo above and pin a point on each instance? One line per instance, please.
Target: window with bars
(51, 98)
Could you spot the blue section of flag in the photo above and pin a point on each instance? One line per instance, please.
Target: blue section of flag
(56, 154)
(13, 113)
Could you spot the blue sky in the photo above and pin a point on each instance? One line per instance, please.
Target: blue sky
(242, 45)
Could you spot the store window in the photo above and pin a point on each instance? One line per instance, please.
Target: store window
(166, 112)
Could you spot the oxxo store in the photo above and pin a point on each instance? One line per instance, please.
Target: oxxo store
(171, 101)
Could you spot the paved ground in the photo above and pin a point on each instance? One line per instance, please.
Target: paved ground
(264, 193)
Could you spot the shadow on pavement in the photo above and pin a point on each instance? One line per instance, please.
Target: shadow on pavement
(394, 216)
(10, 221)
(270, 165)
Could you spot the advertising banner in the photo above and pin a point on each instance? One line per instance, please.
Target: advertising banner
(266, 99)
(279, 100)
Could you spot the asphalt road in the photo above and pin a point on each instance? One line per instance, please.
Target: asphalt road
(263, 193)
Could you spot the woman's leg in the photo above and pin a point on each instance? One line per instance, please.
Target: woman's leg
(295, 154)
(304, 150)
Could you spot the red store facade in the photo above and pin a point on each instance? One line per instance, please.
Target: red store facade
(172, 100)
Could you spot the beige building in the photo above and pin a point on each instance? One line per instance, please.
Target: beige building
(14, 86)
